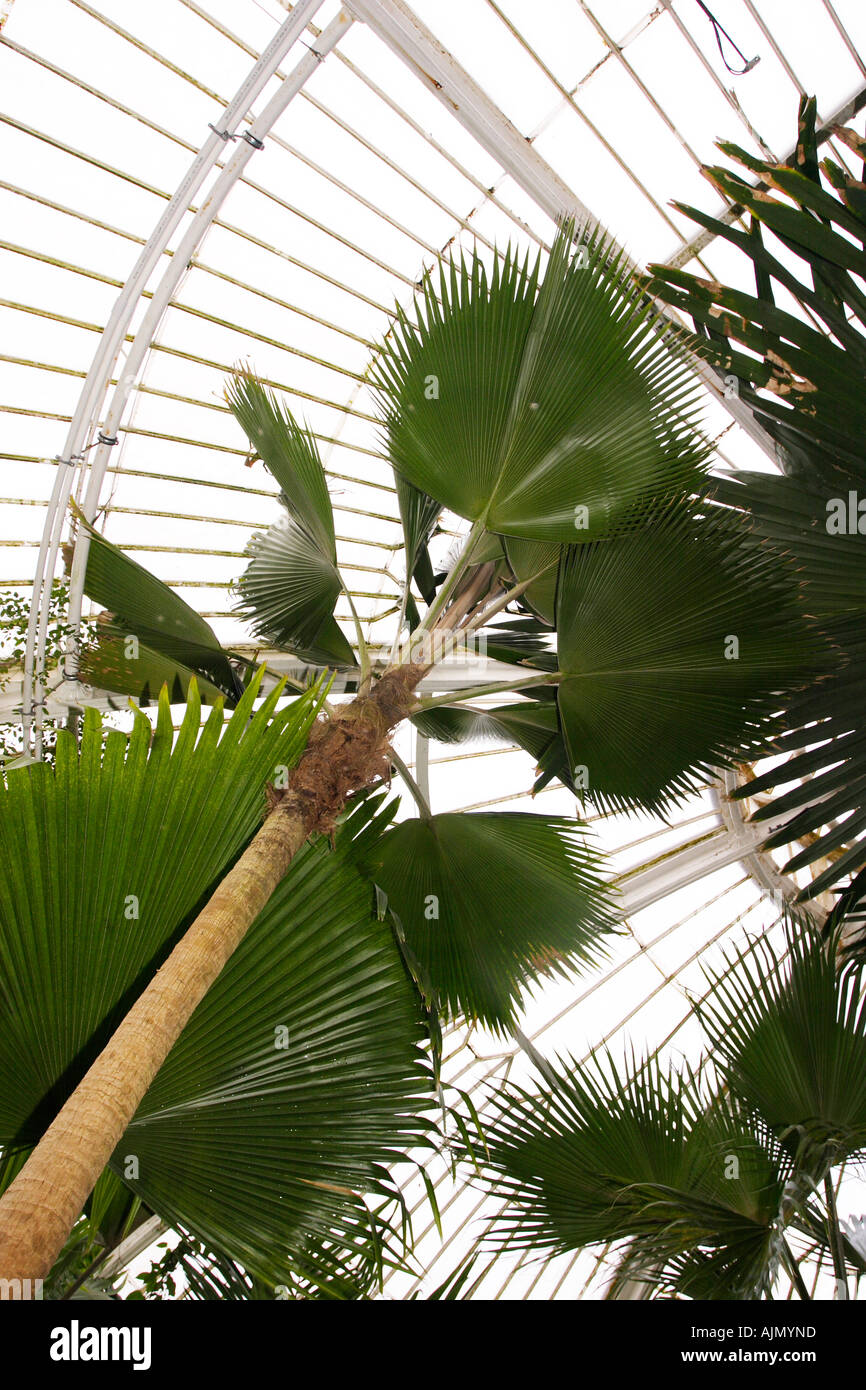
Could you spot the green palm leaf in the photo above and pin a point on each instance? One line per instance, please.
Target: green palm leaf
(477, 417)
(804, 382)
(601, 1156)
(288, 592)
(109, 853)
(528, 723)
(262, 1151)
(795, 514)
(419, 514)
(290, 454)
(527, 558)
(791, 1041)
(539, 906)
(825, 767)
(262, 1141)
(813, 404)
(289, 589)
(167, 628)
(524, 641)
(111, 663)
(341, 1269)
(678, 640)
(532, 724)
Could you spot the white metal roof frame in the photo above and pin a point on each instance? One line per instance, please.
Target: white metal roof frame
(656, 868)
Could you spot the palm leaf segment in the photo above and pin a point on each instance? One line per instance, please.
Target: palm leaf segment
(289, 589)
(299, 1077)
(291, 584)
(604, 1157)
(302, 1067)
(476, 417)
(819, 784)
(791, 1042)
(678, 636)
(679, 640)
(419, 515)
(148, 636)
(804, 385)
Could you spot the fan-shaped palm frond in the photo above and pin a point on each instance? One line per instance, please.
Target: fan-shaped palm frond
(301, 1071)
(600, 1156)
(290, 454)
(288, 592)
(172, 643)
(481, 939)
(824, 769)
(790, 1040)
(289, 589)
(804, 382)
(678, 639)
(477, 416)
(108, 854)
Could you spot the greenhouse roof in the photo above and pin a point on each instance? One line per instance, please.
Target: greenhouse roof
(368, 140)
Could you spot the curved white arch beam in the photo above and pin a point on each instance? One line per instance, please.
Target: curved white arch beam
(105, 358)
(247, 145)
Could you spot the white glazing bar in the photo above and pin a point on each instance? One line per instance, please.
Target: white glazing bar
(399, 27)
(845, 36)
(248, 144)
(105, 358)
(685, 865)
(569, 100)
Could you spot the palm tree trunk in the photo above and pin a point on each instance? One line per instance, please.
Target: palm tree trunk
(44, 1201)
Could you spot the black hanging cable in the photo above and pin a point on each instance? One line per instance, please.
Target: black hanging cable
(719, 30)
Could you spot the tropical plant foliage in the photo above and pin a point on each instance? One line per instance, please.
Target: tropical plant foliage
(476, 418)
(268, 1122)
(479, 940)
(653, 631)
(288, 590)
(676, 643)
(291, 584)
(148, 636)
(804, 383)
(701, 1179)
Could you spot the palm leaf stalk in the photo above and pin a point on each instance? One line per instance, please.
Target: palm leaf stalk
(564, 430)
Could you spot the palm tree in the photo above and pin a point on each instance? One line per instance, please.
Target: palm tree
(210, 1004)
(702, 1179)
